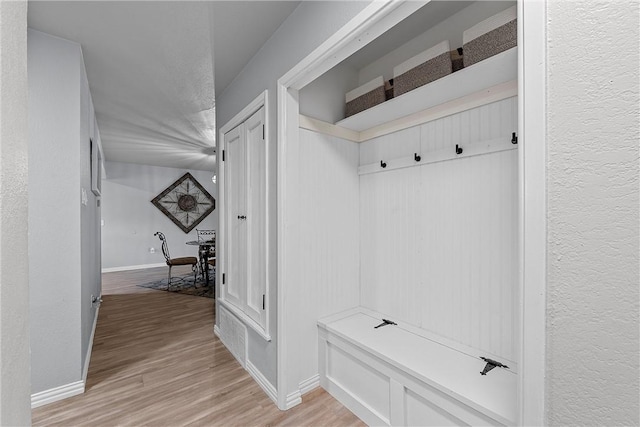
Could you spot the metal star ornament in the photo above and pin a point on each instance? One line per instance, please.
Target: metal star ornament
(185, 202)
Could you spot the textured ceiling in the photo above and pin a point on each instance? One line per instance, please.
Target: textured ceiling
(150, 67)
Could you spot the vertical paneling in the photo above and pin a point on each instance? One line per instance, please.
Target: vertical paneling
(328, 258)
(439, 241)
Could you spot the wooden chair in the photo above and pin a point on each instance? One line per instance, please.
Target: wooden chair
(171, 262)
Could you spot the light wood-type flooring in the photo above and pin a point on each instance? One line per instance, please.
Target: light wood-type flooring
(157, 362)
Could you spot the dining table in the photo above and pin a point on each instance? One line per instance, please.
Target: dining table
(204, 248)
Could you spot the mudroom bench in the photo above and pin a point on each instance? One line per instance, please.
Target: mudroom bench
(396, 375)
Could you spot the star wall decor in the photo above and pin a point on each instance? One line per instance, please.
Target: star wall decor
(185, 202)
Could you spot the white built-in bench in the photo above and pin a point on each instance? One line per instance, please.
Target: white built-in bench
(394, 375)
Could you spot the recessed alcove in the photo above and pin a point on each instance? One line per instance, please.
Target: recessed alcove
(406, 211)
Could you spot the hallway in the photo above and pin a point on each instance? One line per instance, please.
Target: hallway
(156, 361)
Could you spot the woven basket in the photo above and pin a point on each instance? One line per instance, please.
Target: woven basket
(424, 73)
(365, 96)
(490, 37)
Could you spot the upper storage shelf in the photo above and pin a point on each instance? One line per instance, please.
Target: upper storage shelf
(498, 69)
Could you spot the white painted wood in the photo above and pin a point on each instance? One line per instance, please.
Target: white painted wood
(316, 125)
(58, 393)
(487, 96)
(326, 205)
(234, 289)
(245, 219)
(448, 382)
(442, 155)
(256, 192)
(262, 381)
(309, 384)
(498, 69)
(444, 234)
(532, 20)
(233, 334)
(133, 267)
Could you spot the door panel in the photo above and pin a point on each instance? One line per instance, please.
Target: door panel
(256, 216)
(235, 185)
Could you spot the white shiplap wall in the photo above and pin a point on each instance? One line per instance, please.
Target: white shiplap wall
(439, 241)
(325, 274)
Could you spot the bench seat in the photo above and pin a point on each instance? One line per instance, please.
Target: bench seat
(393, 376)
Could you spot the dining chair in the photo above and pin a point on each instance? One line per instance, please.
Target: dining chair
(171, 262)
(206, 235)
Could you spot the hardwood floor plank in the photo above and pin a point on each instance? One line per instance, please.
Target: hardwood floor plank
(156, 362)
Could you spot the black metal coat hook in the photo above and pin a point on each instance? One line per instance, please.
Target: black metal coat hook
(458, 149)
(514, 138)
(383, 164)
(416, 157)
(490, 365)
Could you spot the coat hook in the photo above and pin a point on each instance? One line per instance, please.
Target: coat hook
(416, 157)
(383, 164)
(514, 138)
(458, 149)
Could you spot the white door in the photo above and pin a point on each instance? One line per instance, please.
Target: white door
(245, 218)
(234, 288)
(256, 217)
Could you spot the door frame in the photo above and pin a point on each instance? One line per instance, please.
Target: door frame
(260, 101)
(372, 21)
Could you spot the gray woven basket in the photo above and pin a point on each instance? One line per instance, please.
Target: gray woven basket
(424, 73)
(365, 101)
(491, 43)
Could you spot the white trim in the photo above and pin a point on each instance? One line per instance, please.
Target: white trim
(246, 320)
(532, 18)
(309, 384)
(57, 393)
(87, 359)
(132, 267)
(293, 399)
(262, 381)
(325, 128)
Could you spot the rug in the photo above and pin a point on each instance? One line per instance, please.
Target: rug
(185, 286)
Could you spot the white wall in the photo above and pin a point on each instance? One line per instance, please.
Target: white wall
(439, 240)
(15, 408)
(54, 210)
(592, 179)
(130, 219)
(305, 29)
(89, 219)
(323, 99)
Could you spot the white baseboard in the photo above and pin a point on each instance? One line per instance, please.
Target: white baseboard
(87, 358)
(293, 399)
(57, 393)
(262, 382)
(132, 267)
(309, 384)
